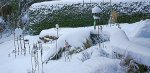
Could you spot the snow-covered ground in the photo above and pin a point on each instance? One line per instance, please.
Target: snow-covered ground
(132, 39)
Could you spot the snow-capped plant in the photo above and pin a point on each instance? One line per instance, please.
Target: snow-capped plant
(85, 56)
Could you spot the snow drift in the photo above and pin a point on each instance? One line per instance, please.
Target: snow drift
(144, 29)
(122, 44)
(75, 38)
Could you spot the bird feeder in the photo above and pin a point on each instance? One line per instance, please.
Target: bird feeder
(57, 26)
(96, 15)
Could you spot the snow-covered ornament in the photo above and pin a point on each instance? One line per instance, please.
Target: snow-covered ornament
(96, 10)
(96, 14)
(18, 32)
(57, 26)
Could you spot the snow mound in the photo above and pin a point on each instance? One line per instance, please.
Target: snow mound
(118, 36)
(75, 38)
(122, 44)
(143, 29)
(139, 29)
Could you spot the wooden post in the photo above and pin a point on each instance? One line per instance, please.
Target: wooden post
(1, 31)
(15, 45)
(99, 37)
(18, 45)
(56, 45)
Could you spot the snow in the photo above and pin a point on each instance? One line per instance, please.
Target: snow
(96, 10)
(1, 20)
(18, 32)
(145, 29)
(102, 0)
(25, 19)
(129, 40)
(75, 38)
(96, 17)
(121, 41)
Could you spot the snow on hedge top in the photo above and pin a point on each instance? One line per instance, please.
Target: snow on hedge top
(45, 5)
(48, 4)
(75, 38)
(96, 10)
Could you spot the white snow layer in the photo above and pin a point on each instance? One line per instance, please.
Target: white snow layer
(96, 10)
(138, 29)
(75, 38)
(122, 41)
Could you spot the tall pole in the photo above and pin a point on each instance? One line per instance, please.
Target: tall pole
(56, 44)
(98, 37)
(110, 19)
(90, 1)
(83, 2)
(57, 27)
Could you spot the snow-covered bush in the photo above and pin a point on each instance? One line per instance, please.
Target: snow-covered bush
(48, 38)
(46, 16)
(85, 56)
(133, 67)
(103, 53)
(99, 38)
(88, 43)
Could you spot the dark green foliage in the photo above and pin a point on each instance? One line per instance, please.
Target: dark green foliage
(142, 68)
(36, 29)
(124, 18)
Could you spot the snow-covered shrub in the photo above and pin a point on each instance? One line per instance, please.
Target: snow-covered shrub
(85, 56)
(99, 38)
(133, 67)
(48, 38)
(77, 15)
(87, 44)
(117, 55)
(125, 61)
(74, 50)
(143, 68)
(103, 53)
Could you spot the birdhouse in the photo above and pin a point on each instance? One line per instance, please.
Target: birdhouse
(57, 26)
(96, 12)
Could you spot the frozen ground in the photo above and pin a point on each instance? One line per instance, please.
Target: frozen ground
(131, 38)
